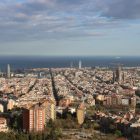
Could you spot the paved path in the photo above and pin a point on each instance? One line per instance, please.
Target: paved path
(79, 134)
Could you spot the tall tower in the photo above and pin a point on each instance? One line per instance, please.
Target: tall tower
(71, 64)
(114, 76)
(8, 71)
(80, 64)
(124, 78)
(118, 74)
(119, 71)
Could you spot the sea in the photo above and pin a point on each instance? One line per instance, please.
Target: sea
(20, 62)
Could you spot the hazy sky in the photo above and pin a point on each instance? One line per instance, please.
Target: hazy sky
(70, 27)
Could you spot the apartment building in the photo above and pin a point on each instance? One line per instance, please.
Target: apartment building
(125, 101)
(7, 104)
(128, 92)
(1, 108)
(25, 116)
(3, 125)
(33, 118)
(133, 102)
(38, 115)
(116, 100)
(36, 118)
(81, 113)
(119, 100)
(10, 104)
(49, 110)
(109, 101)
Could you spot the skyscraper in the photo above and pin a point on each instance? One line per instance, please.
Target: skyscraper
(124, 78)
(120, 77)
(80, 64)
(8, 71)
(71, 64)
(114, 76)
(118, 74)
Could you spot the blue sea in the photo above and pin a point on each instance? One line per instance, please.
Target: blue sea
(20, 62)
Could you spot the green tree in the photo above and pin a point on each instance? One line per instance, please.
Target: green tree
(58, 131)
(85, 126)
(3, 136)
(19, 137)
(68, 116)
(26, 137)
(53, 135)
(12, 136)
(15, 124)
(96, 125)
(111, 127)
(32, 136)
(118, 133)
(24, 131)
(75, 119)
(110, 137)
(50, 123)
(44, 135)
(95, 137)
(10, 111)
(73, 105)
(39, 136)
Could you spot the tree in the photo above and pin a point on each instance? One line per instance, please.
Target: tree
(96, 125)
(44, 135)
(68, 116)
(32, 136)
(53, 135)
(58, 131)
(50, 123)
(19, 137)
(73, 105)
(15, 124)
(39, 136)
(111, 127)
(118, 133)
(85, 126)
(3, 136)
(12, 136)
(91, 128)
(26, 137)
(110, 137)
(58, 115)
(95, 137)
(24, 131)
(10, 111)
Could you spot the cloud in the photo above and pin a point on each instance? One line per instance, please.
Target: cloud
(98, 23)
(5, 0)
(58, 19)
(122, 9)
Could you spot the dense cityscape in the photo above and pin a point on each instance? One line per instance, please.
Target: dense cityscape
(69, 70)
(70, 103)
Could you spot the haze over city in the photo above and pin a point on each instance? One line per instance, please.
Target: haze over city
(69, 27)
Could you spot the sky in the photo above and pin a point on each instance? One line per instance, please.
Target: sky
(70, 27)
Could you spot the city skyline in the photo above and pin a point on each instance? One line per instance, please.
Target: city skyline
(92, 27)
